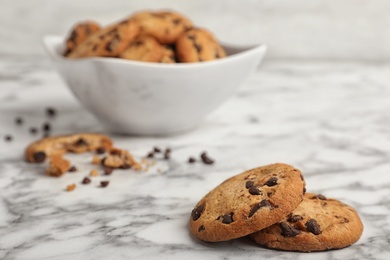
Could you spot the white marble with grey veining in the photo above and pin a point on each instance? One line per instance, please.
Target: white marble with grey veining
(331, 120)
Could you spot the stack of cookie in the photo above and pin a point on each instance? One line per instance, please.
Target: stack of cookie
(270, 204)
(163, 36)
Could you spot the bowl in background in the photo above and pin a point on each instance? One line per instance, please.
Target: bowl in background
(143, 98)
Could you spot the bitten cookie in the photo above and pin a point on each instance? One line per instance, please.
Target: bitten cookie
(80, 33)
(144, 48)
(166, 26)
(77, 143)
(317, 224)
(108, 42)
(247, 202)
(198, 45)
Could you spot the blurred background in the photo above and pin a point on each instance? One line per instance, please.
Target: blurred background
(348, 30)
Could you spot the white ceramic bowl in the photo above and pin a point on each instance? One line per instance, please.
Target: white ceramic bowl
(132, 97)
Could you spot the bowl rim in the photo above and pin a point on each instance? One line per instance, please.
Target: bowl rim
(50, 43)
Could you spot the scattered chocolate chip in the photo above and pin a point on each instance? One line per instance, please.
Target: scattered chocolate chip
(51, 112)
(206, 159)
(72, 169)
(255, 191)
(86, 180)
(167, 154)
(167, 150)
(100, 150)
(150, 155)
(313, 226)
(46, 127)
(33, 130)
(191, 160)
(104, 184)
(249, 184)
(271, 182)
(8, 138)
(227, 218)
(39, 157)
(289, 231)
(262, 204)
(108, 170)
(201, 228)
(81, 142)
(19, 120)
(294, 218)
(157, 149)
(197, 212)
(319, 196)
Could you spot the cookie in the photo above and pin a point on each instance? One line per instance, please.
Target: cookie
(58, 166)
(165, 26)
(144, 48)
(77, 143)
(108, 42)
(80, 33)
(121, 159)
(168, 55)
(317, 224)
(247, 202)
(198, 45)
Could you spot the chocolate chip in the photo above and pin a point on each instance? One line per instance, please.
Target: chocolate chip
(263, 203)
(300, 175)
(39, 157)
(249, 184)
(8, 138)
(33, 130)
(197, 212)
(125, 166)
(176, 21)
(206, 159)
(198, 47)
(46, 127)
(150, 155)
(304, 191)
(294, 218)
(227, 218)
(255, 191)
(100, 150)
(271, 182)
(108, 170)
(19, 120)
(167, 154)
(191, 37)
(313, 226)
(51, 112)
(167, 150)
(104, 184)
(319, 196)
(157, 149)
(86, 180)
(201, 228)
(81, 142)
(289, 231)
(191, 160)
(115, 152)
(72, 169)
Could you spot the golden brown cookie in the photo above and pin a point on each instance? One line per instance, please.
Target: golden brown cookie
(108, 42)
(168, 55)
(144, 48)
(165, 26)
(76, 143)
(317, 224)
(58, 166)
(247, 202)
(122, 159)
(80, 32)
(198, 45)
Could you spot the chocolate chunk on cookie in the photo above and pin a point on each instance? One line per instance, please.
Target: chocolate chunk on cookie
(80, 32)
(245, 203)
(38, 151)
(165, 26)
(144, 48)
(108, 42)
(198, 45)
(313, 226)
(121, 159)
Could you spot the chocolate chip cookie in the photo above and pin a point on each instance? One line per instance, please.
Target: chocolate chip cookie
(165, 26)
(198, 45)
(38, 151)
(80, 33)
(144, 48)
(317, 224)
(247, 202)
(108, 42)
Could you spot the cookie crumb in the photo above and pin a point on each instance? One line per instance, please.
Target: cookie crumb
(93, 173)
(71, 187)
(96, 160)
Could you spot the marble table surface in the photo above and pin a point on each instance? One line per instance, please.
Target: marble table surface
(330, 120)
